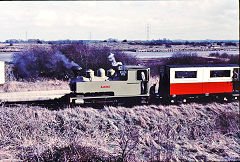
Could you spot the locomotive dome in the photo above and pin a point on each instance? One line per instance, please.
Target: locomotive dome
(101, 72)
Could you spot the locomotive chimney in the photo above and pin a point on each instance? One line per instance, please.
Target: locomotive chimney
(90, 74)
(76, 69)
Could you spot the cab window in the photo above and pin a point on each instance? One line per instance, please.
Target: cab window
(142, 75)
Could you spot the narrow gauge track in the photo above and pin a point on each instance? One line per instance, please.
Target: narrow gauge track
(61, 103)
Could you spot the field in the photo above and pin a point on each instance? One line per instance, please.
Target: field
(38, 85)
(187, 132)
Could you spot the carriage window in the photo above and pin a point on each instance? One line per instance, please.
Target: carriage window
(219, 73)
(185, 74)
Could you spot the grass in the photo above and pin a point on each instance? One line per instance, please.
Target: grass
(190, 132)
(36, 85)
(44, 84)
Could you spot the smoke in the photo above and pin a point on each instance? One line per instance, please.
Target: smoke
(43, 63)
(23, 64)
(112, 59)
(68, 64)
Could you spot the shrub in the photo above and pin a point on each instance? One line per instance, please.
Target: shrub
(194, 59)
(9, 76)
(57, 61)
(41, 62)
(224, 55)
(187, 59)
(214, 54)
(230, 44)
(94, 58)
(234, 59)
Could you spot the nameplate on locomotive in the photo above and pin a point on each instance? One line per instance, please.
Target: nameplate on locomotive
(105, 86)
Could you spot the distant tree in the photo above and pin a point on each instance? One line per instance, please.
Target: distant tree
(186, 43)
(224, 55)
(39, 42)
(219, 43)
(230, 44)
(124, 40)
(190, 59)
(168, 45)
(214, 54)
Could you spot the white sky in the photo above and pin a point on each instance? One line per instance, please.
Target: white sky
(54, 20)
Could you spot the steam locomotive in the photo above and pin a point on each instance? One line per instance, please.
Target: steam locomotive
(177, 82)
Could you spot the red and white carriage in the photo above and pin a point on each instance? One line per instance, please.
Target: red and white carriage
(183, 81)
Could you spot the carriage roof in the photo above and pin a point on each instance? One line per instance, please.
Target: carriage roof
(206, 65)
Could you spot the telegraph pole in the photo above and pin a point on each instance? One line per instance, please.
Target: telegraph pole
(148, 30)
(26, 35)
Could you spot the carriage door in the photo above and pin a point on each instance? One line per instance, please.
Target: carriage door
(235, 79)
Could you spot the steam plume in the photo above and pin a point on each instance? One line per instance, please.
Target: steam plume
(68, 64)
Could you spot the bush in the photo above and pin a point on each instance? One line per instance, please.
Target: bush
(230, 44)
(214, 54)
(84, 56)
(194, 59)
(41, 62)
(224, 55)
(9, 76)
(57, 61)
(234, 59)
(189, 59)
(94, 58)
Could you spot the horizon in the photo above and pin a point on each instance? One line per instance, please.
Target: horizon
(119, 40)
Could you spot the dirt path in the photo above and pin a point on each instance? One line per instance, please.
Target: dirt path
(32, 95)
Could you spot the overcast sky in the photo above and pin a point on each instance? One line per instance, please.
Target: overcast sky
(185, 19)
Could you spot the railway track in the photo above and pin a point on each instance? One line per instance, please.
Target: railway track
(62, 102)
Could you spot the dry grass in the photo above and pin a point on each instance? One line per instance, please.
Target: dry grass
(188, 132)
(44, 85)
(38, 85)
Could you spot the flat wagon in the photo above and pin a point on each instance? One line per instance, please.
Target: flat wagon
(2, 72)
